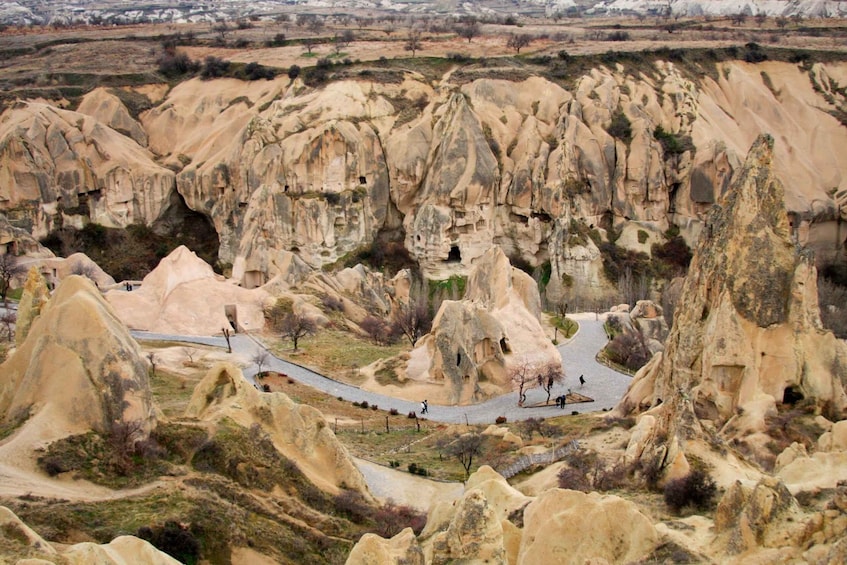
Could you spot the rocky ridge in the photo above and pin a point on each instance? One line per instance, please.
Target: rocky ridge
(748, 339)
(452, 169)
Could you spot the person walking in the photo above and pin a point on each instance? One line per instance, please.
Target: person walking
(581, 381)
(424, 407)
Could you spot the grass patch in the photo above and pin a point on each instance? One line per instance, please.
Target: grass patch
(172, 392)
(335, 353)
(567, 326)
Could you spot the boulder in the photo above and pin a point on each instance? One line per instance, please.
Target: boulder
(474, 534)
(765, 516)
(372, 549)
(584, 527)
(108, 109)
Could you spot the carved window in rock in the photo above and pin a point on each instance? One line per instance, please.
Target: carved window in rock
(454, 256)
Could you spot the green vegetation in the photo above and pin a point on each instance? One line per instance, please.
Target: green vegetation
(131, 253)
(672, 143)
(620, 127)
(567, 326)
(452, 287)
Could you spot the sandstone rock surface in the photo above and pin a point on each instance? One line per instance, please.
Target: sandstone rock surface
(748, 335)
(58, 165)
(183, 295)
(77, 370)
(298, 431)
(278, 166)
(475, 343)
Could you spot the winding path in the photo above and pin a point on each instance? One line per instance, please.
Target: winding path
(604, 385)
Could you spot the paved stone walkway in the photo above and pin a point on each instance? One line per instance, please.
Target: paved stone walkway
(604, 385)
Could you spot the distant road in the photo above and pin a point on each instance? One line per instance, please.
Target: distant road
(604, 385)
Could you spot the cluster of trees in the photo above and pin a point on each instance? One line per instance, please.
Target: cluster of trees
(528, 375)
(410, 320)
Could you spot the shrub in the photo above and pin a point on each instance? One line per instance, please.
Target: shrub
(412, 415)
(832, 299)
(378, 329)
(174, 65)
(696, 489)
(500, 420)
(394, 412)
(214, 67)
(672, 143)
(293, 72)
(255, 71)
(620, 127)
(173, 539)
(629, 349)
(352, 505)
(332, 304)
(573, 479)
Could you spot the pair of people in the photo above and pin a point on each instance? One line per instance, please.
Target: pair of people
(424, 407)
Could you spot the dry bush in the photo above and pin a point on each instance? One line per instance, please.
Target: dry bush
(832, 299)
(696, 489)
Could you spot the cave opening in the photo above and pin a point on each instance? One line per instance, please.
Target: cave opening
(504, 345)
(792, 395)
(455, 255)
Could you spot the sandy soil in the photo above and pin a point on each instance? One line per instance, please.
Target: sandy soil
(405, 488)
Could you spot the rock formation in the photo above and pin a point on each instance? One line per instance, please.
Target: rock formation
(183, 295)
(108, 109)
(494, 523)
(20, 539)
(33, 298)
(747, 334)
(477, 342)
(58, 166)
(297, 431)
(523, 164)
(77, 370)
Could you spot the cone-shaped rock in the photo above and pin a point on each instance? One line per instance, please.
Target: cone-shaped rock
(747, 334)
(78, 368)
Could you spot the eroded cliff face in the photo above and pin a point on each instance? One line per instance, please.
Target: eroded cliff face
(59, 166)
(452, 167)
(748, 334)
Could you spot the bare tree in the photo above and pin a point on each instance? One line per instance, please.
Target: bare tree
(518, 41)
(524, 376)
(465, 448)
(261, 358)
(152, 358)
(412, 320)
(8, 320)
(10, 267)
(633, 287)
(413, 42)
(377, 329)
(309, 43)
(550, 376)
(738, 18)
(469, 28)
(297, 326)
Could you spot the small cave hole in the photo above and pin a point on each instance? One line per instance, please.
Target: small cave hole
(458, 358)
(363, 180)
(285, 188)
(792, 395)
(455, 255)
(504, 345)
